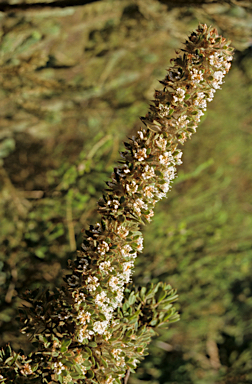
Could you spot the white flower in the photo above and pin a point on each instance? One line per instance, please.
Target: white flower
(84, 317)
(215, 60)
(105, 266)
(148, 217)
(140, 244)
(103, 247)
(26, 370)
(92, 283)
(148, 191)
(170, 173)
(101, 299)
(226, 66)
(180, 95)
(199, 114)
(122, 232)
(100, 326)
(218, 76)
(119, 297)
(124, 169)
(85, 334)
(107, 311)
(210, 95)
(141, 154)
(166, 158)
(58, 367)
(78, 297)
(140, 204)
(196, 75)
(116, 353)
(115, 282)
(200, 100)
(126, 250)
(132, 187)
(216, 85)
(127, 270)
(164, 110)
(140, 134)
(182, 121)
(165, 187)
(113, 204)
(148, 172)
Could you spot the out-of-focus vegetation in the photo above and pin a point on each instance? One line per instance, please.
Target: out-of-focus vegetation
(74, 81)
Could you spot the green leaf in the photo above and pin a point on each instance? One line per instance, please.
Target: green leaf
(65, 344)
(104, 362)
(90, 374)
(92, 344)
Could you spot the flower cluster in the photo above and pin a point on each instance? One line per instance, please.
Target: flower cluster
(95, 287)
(146, 173)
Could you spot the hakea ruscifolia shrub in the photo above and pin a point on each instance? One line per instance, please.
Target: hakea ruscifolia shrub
(93, 329)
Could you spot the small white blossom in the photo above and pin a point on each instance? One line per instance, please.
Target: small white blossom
(103, 247)
(210, 95)
(122, 232)
(163, 110)
(148, 191)
(101, 299)
(105, 266)
(116, 353)
(182, 121)
(151, 214)
(216, 85)
(170, 173)
(140, 204)
(119, 297)
(148, 172)
(140, 244)
(132, 187)
(85, 334)
(78, 297)
(200, 100)
(226, 66)
(179, 95)
(141, 135)
(218, 76)
(196, 75)
(215, 60)
(166, 158)
(115, 282)
(113, 204)
(27, 370)
(58, 367)
(178, 158)
(92, 283)
(84, 317)
(124, 169)
(141, 154)
(100, 326)
(127, 270)
(199, 114)
(126, 250)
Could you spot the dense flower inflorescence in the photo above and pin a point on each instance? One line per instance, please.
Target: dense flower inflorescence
(148, 169)
(95, 288)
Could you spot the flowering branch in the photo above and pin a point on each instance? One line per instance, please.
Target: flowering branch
(93, 329)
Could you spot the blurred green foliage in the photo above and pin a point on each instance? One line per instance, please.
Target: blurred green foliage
(74, 82)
